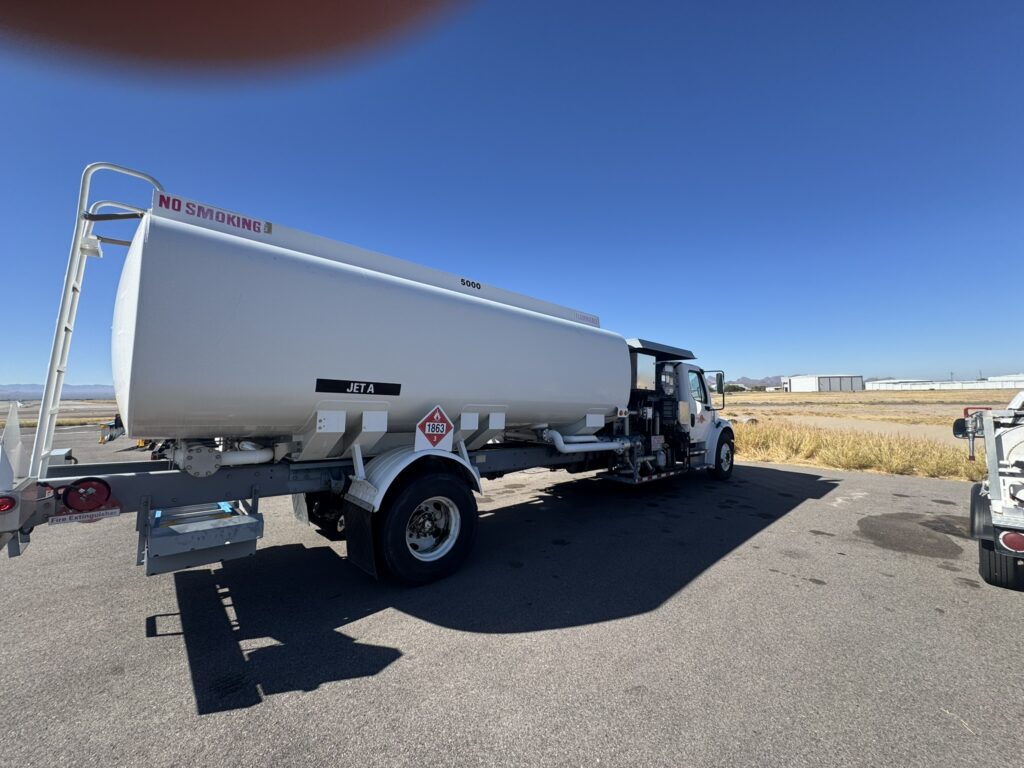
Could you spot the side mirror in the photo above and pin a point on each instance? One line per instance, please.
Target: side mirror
(960, 429)
(720, 383)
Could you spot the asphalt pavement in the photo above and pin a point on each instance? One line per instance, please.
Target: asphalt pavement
(790, 617)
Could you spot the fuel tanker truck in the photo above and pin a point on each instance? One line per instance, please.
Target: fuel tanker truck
(263, 361)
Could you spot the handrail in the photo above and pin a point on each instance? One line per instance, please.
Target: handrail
(68, 308)
(94, 208)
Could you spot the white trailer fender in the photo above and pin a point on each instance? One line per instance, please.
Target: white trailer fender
(383, 470)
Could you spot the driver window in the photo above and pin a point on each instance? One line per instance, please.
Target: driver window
(697, 388)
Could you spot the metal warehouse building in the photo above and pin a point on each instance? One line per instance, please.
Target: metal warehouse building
(1012, 381)
(842, 382)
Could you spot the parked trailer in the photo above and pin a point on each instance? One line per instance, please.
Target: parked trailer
(997, 504)
(263, 361)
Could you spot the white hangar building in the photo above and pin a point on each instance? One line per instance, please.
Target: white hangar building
(1011, 381)
(820, 382)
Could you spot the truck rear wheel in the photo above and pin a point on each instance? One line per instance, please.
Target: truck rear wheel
(998, 569)
(428, 528)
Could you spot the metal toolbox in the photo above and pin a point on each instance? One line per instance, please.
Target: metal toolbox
(183, 537)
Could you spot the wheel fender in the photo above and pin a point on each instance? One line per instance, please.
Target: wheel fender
(724, 431)
(383, 470)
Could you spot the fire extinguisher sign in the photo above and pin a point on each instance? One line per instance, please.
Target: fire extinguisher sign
(435, 431)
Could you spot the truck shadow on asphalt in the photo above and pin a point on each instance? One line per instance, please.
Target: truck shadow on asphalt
(577, 553)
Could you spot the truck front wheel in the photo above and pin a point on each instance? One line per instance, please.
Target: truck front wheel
(428, 528)
(724, 458)
(998, 569)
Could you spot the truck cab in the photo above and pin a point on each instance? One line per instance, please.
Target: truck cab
(673, 404)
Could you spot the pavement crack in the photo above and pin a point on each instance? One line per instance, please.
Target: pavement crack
(961, 720)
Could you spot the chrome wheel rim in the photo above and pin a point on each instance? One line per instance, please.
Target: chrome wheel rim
(433, 529)
(726, 457)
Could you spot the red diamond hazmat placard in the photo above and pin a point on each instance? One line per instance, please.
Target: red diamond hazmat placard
(435, 430)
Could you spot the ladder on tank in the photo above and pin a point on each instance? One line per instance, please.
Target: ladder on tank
(84, 243)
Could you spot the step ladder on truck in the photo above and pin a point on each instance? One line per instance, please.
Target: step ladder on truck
(379, 431)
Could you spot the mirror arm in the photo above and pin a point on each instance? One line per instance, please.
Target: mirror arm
(719, 388)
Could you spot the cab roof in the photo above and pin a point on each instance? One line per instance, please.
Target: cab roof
(661, 352)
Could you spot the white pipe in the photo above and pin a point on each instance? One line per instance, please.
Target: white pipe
(580, 439)
(237, 458)
(229, 458)
(553, 437)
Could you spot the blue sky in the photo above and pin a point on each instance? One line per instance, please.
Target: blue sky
(781, 187)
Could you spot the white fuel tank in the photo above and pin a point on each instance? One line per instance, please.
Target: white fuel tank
(226, 326)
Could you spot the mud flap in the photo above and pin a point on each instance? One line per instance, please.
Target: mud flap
(299, 508)
(359, 537)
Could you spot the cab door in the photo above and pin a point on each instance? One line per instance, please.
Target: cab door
(701, 417)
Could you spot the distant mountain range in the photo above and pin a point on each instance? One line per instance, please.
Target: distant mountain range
(767, 381)
(71, 392)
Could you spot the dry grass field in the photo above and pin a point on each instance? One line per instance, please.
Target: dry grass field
(903, 433)
(73, 413)
(779, 441)
(937, 408)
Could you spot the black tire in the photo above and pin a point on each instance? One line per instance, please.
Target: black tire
(725, 457)
(456, 500)
(998, 569)
(981, 514)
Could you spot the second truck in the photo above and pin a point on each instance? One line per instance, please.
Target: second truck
(997, 504)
